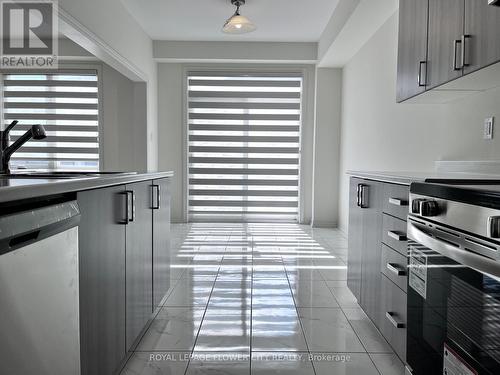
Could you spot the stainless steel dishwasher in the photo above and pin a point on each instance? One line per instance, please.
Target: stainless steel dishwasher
(39, 309)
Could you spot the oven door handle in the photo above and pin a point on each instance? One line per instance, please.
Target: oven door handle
(464, 257)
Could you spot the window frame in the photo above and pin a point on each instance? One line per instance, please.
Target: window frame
(68, 66)
(307, 78)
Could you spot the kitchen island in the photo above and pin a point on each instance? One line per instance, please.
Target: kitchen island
(122, 258)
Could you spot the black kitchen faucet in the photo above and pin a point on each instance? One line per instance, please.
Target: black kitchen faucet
(6, 151)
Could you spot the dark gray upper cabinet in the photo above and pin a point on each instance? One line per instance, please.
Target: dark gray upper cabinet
(412, 52)
(102, 280)
(462, 36)
(482, 26)
(139, 260)
(160, 202)
(446, 28)
(355, 238)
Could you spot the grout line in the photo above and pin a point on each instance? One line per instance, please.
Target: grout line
(202, 318)
(298, 318)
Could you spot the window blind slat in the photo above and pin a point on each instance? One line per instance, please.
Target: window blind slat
(246, 83)
(244, 154)
(245, 150)
(66, 103)
(238, 105)
(244, 193)
(47, 94)
(233, 182)
(48, 83)
(243, 94)
(9, 105)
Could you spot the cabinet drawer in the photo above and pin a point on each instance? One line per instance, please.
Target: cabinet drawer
(396, 198)
(393, 316)
(394, 266)
(394, 234)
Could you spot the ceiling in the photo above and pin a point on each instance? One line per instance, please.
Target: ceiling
(202, 20)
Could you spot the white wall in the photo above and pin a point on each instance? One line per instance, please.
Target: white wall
(378, 134)
(171, 128)
(170, 132)
(114, 26)
(328, 99)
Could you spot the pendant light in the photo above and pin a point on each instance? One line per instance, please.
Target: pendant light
(238, 24)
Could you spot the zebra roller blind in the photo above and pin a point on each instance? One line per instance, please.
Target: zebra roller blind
(244, 146)
(66, 104)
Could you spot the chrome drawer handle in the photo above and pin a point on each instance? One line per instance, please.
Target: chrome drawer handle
(396, 269)
(398, 202)
(394, 322)
(401, 237)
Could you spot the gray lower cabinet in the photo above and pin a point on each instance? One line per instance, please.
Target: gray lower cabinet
(371, 250)
(161, 238)
(364, 244)
(393, 311)
(139, 260)
(355, 238)
(124, 268)
(102, 280)
(377, 263)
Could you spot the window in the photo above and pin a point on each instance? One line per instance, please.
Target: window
(66, 104)
(243, 146)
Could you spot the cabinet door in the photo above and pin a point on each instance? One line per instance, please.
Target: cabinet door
(102, 280)
(412, 48)
(446, 27)
(371, 249)
(139, 260)
(161, 239)
(482, 25)
(355, 239)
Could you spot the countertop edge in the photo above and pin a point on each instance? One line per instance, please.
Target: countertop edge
(46, 187)
(393, 179)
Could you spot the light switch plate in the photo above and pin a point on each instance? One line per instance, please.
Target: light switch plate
(488, 127)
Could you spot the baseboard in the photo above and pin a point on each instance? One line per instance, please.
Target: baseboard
(324, 224)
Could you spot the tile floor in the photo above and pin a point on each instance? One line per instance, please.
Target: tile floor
(260, 299)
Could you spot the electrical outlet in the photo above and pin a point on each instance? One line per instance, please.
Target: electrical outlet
(488, 127)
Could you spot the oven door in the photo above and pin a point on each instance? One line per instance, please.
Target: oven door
(453, 304)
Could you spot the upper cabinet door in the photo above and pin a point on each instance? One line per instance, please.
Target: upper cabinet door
(482, 30)
(412, 50)
(446, 28)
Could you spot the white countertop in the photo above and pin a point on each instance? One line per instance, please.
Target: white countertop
(406, 177)
(15, 188)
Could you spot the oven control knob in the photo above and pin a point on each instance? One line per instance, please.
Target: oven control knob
(429, 208)
(415, 206)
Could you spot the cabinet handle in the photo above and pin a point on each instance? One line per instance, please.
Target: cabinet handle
(398, 202)
(397, 236)
(362, 202)
(130, 205)
(396, 269)
(394, 322)
(156, 197)
(125, 206)
(358, 197)
(464, 59)
(455, 44)
(422, 83)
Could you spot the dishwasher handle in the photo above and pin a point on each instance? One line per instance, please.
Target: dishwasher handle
(26, 227)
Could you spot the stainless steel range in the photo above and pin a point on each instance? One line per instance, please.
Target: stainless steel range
(454, 279)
